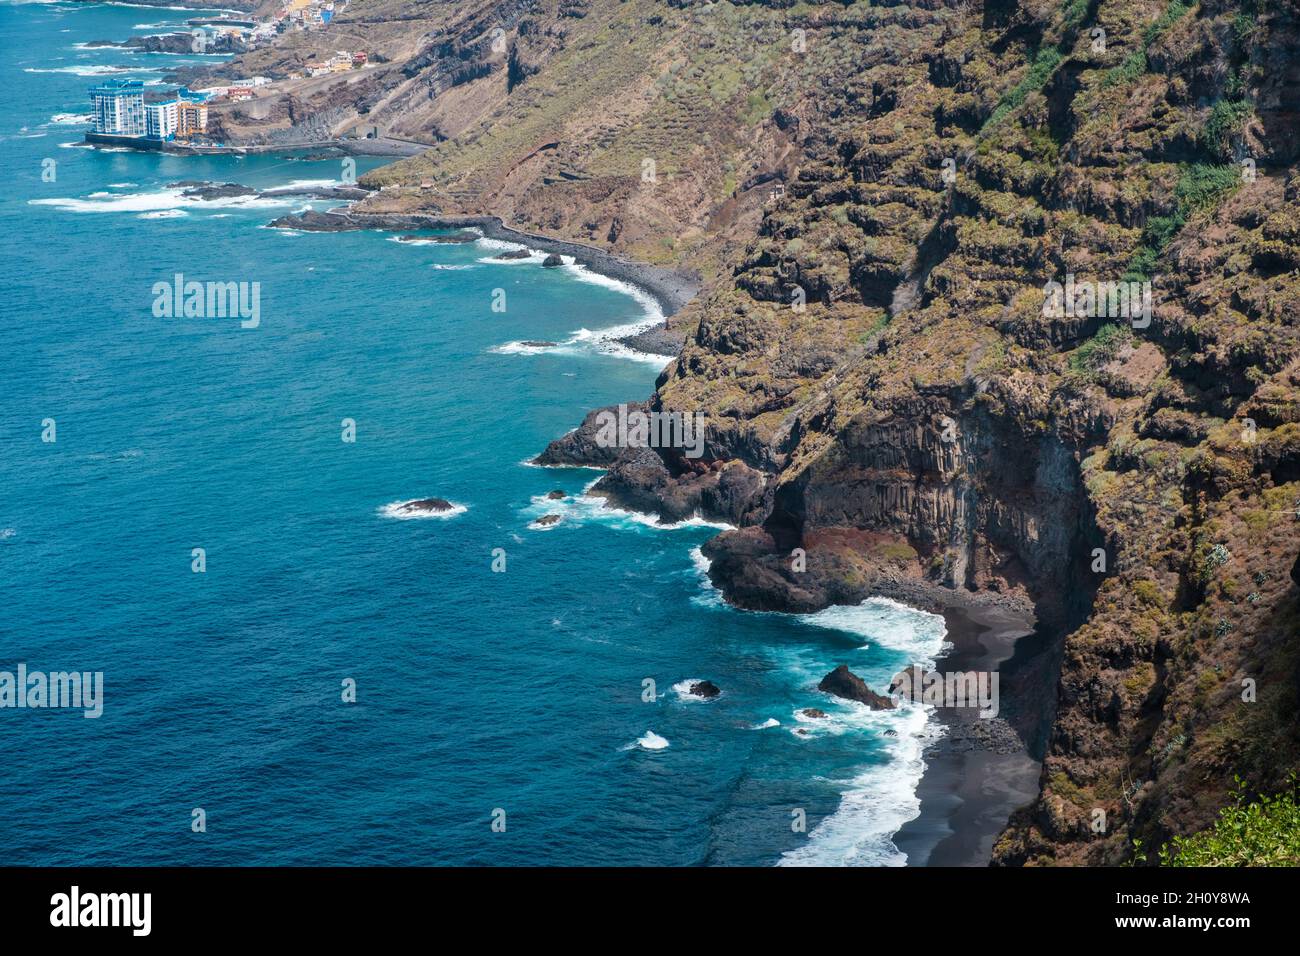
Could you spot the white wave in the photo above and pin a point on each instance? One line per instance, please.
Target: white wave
(601, 341)
(394, 510)
(874, 805)
(583, 507)
(770, 722)
(97, 69)
(123, 185)
(76, 145)
(451, 267)
(522, 348)
(151, 6)
(308, 184)
(164, 214)
(158, 200)
(651, 741)
(69, 119)
(653, 312)
(501, 245)
(708, 596)
(529, 463)
(919, 634)
(6, 533)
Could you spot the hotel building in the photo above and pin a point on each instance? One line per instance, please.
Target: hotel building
(117, 108)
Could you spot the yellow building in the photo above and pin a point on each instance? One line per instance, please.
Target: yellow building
(191, 118)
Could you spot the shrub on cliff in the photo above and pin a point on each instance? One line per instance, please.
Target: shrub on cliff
(1265, 833)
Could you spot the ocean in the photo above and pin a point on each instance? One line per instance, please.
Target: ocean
(517, 698)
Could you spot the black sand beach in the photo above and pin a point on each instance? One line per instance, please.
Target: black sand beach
(981, 771)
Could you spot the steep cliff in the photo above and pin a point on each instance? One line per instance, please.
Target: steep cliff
(877, 195)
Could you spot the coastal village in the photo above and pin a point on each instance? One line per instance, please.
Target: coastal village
(123, 113)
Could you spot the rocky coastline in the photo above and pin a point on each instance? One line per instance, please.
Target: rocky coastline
(670, 289)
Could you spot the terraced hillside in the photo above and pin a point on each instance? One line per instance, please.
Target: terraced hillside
(877, 194)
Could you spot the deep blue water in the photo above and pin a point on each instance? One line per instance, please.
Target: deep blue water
(476, 690)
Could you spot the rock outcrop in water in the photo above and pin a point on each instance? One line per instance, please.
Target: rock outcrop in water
(705, 689)
(842, 682)
(425, 506)
(312, 221)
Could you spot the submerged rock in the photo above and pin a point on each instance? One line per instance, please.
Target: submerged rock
(547, 520)
(551, 261)
(539, 345)
(425, 506)
(514, 254)
(813, 712)
(556, 495)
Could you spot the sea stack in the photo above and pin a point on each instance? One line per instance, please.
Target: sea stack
(842, 682)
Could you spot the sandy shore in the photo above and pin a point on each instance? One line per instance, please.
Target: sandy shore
(981, 771)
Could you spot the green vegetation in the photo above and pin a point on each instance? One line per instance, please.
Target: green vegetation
(1100, 349)
(1135, 64)
(1040, 71)
(1075, 11)
(1129, 69)
(1173, 13)
(1225, 120)
(1200, 186)
(1264, 833)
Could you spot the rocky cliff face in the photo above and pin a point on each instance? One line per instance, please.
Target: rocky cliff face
(877, 195)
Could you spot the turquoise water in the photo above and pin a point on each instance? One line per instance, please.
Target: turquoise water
(476, 690)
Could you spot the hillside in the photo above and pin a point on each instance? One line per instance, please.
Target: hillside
(922, 418)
